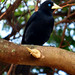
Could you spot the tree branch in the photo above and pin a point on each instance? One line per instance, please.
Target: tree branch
(50, 56)
(63, 35)
(65, 18)
(10, 9)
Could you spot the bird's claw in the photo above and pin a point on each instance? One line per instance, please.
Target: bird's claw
(34, 52)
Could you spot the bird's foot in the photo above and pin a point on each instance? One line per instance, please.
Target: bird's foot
(34, 52)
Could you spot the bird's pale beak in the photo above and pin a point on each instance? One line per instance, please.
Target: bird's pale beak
(55, 6)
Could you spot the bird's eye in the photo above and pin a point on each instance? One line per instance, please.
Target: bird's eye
(49, 5)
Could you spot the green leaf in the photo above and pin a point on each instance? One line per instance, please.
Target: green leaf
(2, 0)
(7, 5)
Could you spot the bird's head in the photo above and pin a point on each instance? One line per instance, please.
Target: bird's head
(49, 6)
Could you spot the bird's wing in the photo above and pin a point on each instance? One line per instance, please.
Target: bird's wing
(31, 19)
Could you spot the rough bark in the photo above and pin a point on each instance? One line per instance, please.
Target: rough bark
(50, 56)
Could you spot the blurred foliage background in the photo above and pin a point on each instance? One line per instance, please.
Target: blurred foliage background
(14, 15)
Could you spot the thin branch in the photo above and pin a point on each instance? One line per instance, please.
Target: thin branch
(68, 5)
(28, 8)
(10, 9)
(65, 18)
(63, 35)
(10, 69)
(14, 31)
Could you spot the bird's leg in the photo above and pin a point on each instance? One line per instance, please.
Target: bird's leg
(34, 52)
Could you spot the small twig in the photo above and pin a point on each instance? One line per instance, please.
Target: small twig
(67, 5)
(64, 46)
(65, 18)
(28, 8)
(69, 11)
(10, 69)
(63, 35)
(2, 15)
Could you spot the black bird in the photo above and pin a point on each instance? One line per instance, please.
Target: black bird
(39, 27)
